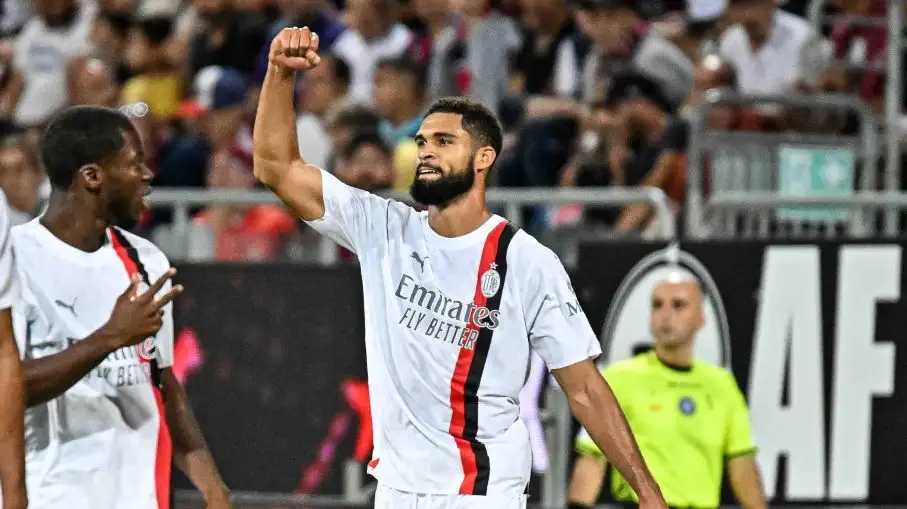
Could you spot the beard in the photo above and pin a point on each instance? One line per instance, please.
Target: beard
(442, 191)
(122, 213)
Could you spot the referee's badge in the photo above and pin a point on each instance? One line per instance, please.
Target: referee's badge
(491, 281)
(687, 405)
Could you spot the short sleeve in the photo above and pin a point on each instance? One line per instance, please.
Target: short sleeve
(558, 328)
(164, 339)
(351, 216)
(8, 276)
(740, 433)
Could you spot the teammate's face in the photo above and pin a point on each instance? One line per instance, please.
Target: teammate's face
(126, 182)
(446, 161)
(677, 313)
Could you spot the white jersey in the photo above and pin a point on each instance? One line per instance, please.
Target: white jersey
(104, 443)
(449, 327)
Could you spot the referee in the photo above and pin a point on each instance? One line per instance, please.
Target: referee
(688, 416)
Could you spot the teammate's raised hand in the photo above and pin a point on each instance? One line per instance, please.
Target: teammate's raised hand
(295, 49)
(137, 316)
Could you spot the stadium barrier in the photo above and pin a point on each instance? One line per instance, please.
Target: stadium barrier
(894, 81)
(809, 330)
(790, 164)
(184, 241)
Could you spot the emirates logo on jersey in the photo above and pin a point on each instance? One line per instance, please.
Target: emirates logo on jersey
(147, 349)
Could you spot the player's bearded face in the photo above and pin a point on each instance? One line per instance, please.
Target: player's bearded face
(122, 210)
(441, 190)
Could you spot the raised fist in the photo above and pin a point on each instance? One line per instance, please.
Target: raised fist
(295, 49)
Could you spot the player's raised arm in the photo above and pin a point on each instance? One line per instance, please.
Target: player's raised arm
(277, 163)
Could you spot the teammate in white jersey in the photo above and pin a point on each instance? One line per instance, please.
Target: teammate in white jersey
(12, 459)
(455, 298)
(107, 415)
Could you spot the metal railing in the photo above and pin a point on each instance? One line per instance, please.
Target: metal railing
(894, 22)
(867, 206)
(182, 201)
(749, 162)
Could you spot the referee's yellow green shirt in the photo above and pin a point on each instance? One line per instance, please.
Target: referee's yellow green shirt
(687, 423)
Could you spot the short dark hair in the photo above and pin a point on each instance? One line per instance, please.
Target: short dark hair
(79, 136)
(355, 117)
(478, 120)
(157, 29)
(408, 67)
(364, 138)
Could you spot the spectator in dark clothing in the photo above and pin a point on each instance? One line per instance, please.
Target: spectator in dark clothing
(218, 117)
(109, 36)
(542, 61)
(633, 119)
(230, 39)
(668, 172)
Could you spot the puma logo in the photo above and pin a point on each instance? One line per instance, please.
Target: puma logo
(70, 307)
(421, 261)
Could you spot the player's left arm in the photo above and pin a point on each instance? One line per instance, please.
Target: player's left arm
(595, 407)
(190, 452)
(561, 334)
(740, 449)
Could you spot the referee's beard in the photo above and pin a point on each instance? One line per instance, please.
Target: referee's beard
(443, 190)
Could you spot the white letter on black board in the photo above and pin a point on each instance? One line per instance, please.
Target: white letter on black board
(789, 320)
(863, 368)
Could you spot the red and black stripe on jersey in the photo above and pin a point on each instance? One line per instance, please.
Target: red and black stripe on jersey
(467, 376)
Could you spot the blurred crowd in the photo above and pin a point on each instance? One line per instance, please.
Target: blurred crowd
(591, 92)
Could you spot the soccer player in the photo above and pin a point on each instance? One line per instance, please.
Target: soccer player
(455, 298)
(106, 413)
(689, 416)
(12, 449)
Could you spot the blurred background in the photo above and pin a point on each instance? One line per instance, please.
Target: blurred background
(731, 127)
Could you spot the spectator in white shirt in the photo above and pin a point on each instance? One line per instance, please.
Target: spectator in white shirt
(62, 29)
(772, 50)
(377, 22)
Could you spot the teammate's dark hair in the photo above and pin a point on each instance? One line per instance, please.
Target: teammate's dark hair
(79, 136)
(478, 120)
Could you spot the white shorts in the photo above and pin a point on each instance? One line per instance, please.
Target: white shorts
(389, 498)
